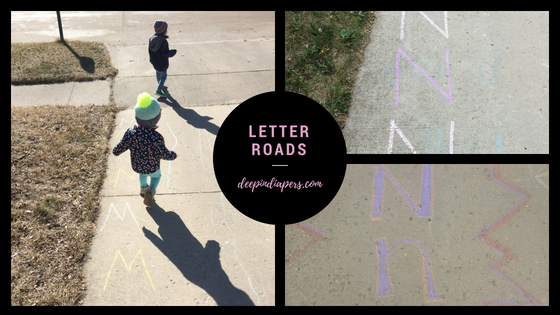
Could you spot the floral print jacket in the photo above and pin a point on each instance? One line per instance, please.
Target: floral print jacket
(146, 146)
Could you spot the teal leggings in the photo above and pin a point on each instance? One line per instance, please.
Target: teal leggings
(154, 181)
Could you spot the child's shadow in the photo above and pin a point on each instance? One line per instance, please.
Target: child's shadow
(189, 115)
(200, 265)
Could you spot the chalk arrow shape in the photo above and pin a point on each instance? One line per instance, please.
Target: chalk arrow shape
(318, 236)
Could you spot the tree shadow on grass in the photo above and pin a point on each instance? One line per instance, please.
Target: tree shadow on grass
(199, 265)
(189, 115)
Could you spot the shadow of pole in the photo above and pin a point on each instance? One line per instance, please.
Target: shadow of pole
(189, 115)
(199, 265)
(86, 63)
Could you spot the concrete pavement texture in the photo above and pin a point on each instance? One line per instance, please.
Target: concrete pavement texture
(426, 235)
(71, 93)
(191, 247)
(222, 57)
(453, 82)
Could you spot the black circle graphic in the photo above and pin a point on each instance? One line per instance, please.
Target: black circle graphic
(279, 158)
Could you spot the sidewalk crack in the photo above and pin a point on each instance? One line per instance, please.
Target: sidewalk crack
(71, 92)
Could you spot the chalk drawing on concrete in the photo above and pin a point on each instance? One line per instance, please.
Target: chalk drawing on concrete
(504, 303)
(500, 142)
(391, 136)
(446, 33)
(402, 24)
(128, 121)
(118, 253)
(399, 53)
(384, 284)
(119, 174)
(539, 179)
(507, 254)
(544, 64)
(318, 236)
(112, 208)
(235, 249)
(199, 140)
(423, 210)
(394, 127)
(451, 130)
(169, 169)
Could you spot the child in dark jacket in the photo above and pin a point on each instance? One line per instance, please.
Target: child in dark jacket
(160, 54)
(146, 146)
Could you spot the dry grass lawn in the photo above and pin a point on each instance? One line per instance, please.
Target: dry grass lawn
(57, 62)
(58, 164)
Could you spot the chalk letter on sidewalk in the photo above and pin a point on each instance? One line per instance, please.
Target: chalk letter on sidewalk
(424, 210)
(399, 53)
(384, 286)
(118, 253)
(446, 33)
(113, 208)
(391, 136)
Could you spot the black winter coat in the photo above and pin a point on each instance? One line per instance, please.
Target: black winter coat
(160, 52)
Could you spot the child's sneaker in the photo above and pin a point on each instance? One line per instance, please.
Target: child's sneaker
(143, 190)
(160, 93)
(149, 196)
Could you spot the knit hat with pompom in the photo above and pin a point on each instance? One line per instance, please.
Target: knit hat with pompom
(147, 110)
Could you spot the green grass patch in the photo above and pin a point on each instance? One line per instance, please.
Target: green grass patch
(58, 62)
(58, 163)
(324, 50)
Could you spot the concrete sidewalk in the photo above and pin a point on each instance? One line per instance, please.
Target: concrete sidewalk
(192, 247)
(225, 62)
(453, 82)
(71, 93)
(426, 235)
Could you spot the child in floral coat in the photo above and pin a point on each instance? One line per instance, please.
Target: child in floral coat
(147, 146)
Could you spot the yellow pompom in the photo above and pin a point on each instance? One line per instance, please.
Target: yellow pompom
(144, 100)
